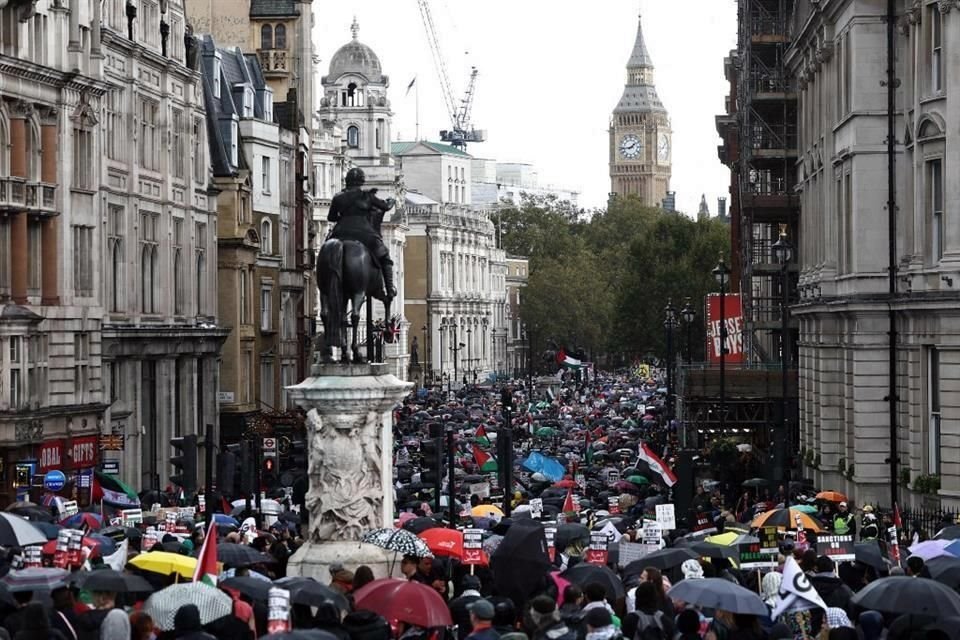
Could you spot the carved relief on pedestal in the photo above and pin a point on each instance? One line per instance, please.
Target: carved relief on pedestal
(346, 493)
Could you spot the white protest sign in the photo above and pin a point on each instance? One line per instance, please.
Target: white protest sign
(666, 516)
(796, 592)
(70, 508)
(630, 551)
(480, 489)
(131, 517)
(652, 533)
(472, 546)
(536, 507)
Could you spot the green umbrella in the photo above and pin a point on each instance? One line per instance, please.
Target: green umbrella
(546, 432)
(804, 508)
(638, 480)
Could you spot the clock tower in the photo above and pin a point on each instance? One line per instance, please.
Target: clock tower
(640, 137)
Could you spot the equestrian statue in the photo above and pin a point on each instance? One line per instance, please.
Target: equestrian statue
(353, 264)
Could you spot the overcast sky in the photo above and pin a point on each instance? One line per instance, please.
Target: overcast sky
(551, 72)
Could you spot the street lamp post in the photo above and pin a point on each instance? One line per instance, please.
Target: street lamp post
(669, 324)
(469, 351)
(721, 272)
(689, 315)
(426, 356)
(443, 330)
(783, 252)
(455, 349)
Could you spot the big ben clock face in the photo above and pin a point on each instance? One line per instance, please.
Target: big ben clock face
(663, 148)
(630, 146)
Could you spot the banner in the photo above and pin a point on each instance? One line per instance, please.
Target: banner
(704, 524)
(597, 551)
(837, 548)
(733, 320)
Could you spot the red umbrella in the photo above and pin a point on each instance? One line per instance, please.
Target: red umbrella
(626, 487)
(566, 484)
(409, 602)
(446, 542)
(50, 548)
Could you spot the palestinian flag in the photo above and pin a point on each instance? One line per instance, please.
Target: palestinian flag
(657, 465)
(480, 437)
(486, 462)
(112, 491)
(568, 506)
(206, 570)
(566, 361)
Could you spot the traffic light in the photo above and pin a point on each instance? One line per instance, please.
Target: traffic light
(506, 397)
(248, 469)
(269, 476)
(431, 457)
(184, 463)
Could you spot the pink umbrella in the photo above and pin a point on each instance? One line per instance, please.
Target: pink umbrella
(562, 583)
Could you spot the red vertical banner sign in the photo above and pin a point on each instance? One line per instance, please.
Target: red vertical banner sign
(733, 319)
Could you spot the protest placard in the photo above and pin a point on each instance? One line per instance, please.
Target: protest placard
(551, 535)
(837, 548)
(752, 557)
(131, 517)
(630, 551)
(536, 507)
(666, 516)
(769, 540)
(597, 551)
(472, 547)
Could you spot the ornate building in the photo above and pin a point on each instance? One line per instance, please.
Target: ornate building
(355, 105)
(157, 249)
(640, 135)
(839, 58)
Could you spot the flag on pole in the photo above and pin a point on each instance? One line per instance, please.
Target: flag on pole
(410, 86)
(206, 570)
(480, 437)
(568, 506)
(894, 533)
(657, 465)
(484, 460)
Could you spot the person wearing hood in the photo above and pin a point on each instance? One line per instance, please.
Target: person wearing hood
(600, 625)
(505, 620)
(830, 587)
(186, 624)
(543, 621)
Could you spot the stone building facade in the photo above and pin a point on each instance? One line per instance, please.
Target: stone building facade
(839, 58)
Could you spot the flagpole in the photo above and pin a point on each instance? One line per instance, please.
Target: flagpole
(416, 88)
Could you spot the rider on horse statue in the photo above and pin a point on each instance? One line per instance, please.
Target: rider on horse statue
(357, 214)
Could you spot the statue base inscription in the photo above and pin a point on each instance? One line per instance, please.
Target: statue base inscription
(350, 470)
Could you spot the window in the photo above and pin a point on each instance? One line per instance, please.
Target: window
(234, 144)
(199, 153)
(266, 383)
(287, 379)
(246, 376)
(265, 174)
(353, 137)
(268, 106)
(936, 49)
(935, 199)
(200, 250)
(449, 193)
(266, 308)
(83, 261)
(178, 293)
(176, 39)
(149, 263)
(266, 237)
(216, 75)
(378, 133)
(242, 283)
(34, 257)
(117, 259)
(81, 364)
(115, 142)
(37, 369)
(178, 148)
(287, 324)
(280, 36)
(148, 19)
(82, 159)
(286, 186)
(149, 143)
(266, 37)
(933, 400)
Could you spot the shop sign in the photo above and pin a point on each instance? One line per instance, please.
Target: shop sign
(84, 451)
(50, 455)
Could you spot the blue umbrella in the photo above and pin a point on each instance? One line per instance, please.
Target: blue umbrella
(107, 544)
(49, 529)
(224, 519)
(539, 463)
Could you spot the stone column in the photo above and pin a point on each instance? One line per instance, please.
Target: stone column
(18, 257)
(350, 440)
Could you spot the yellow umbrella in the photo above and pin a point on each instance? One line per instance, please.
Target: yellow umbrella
(166, 563)
(724, 539)
(486, 511)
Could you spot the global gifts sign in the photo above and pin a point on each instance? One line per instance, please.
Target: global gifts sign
(732, 320)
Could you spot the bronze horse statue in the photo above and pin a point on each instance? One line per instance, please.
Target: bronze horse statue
(347, 274)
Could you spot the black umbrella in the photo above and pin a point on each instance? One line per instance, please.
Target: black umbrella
(112, 581)
(903, 594)
(754, 483)
(951, 532)
(711, 550)
(32, 512)
(663, 560)
(569, 533)
(301, 634)
(520, 562)
(240, 555)
(583, 574)
(718, 593)
(308, 591)
(16, 531)
(945, 569)
(253, 588)
(869, 553)
(421, 524)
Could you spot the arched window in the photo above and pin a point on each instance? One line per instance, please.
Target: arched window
(280, 36)
(352, 95)
(266, 37)
(353, 137)
(266, 237)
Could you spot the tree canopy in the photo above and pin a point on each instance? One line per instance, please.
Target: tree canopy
(601, 280)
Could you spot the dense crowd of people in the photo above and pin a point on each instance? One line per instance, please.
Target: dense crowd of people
(585, 544)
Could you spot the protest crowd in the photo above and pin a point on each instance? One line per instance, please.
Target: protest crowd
(586, 542)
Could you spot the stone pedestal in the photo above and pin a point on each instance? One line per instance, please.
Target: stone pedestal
(350, 439)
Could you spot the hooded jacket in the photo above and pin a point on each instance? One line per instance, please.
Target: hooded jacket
(833, 591)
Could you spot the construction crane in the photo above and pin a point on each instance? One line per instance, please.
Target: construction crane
(461, 131)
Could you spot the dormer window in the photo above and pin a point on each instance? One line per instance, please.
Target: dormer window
(248, 101)
(216, 76)
(234, 144)
(353, 137)
(268, 106)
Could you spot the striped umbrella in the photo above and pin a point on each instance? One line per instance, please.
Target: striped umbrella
(399, 541)
(35, 579)
(18, 532)
(163, 605)
(786, 519)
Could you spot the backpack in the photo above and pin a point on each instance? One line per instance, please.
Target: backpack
(650, 627)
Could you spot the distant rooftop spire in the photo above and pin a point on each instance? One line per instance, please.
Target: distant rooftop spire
(355, 28)
(640, 56)
(704, 211)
